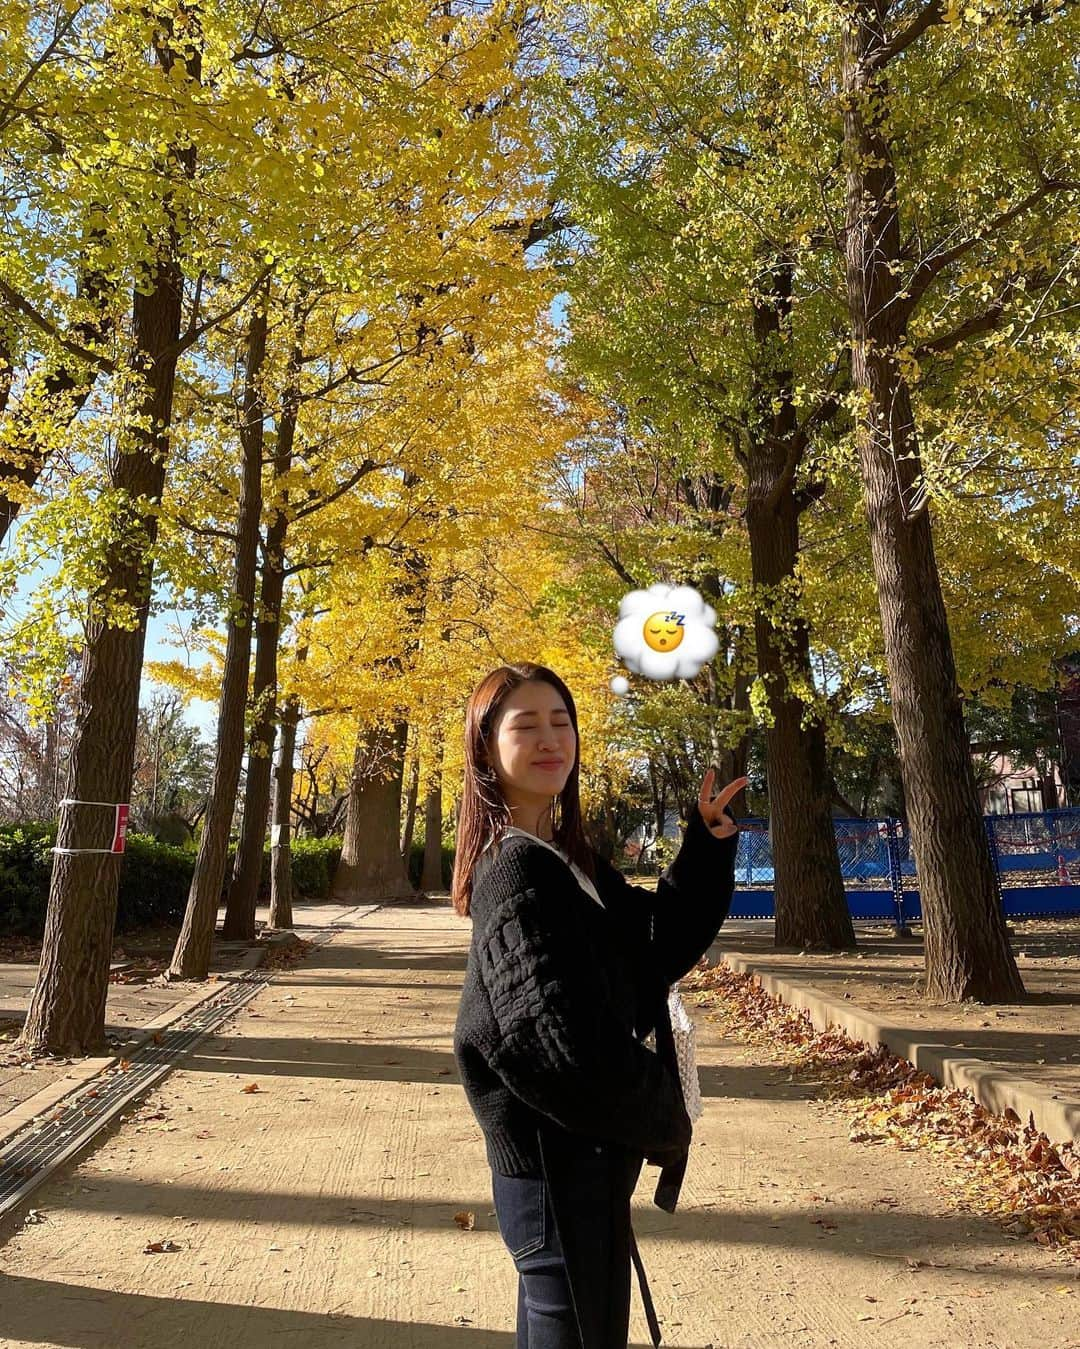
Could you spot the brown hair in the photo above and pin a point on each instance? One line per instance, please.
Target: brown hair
(483, 808)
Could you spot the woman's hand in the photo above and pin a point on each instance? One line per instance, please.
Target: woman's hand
(712, 807)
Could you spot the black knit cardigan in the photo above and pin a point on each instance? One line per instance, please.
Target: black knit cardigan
(559, 994)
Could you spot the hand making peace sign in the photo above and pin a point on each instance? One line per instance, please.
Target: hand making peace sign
(712, 807)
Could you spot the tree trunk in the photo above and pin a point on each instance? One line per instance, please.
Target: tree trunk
(239, 922)
(247, 871)
(371, 868)
(431, 878)
(281, 914)
(47, 768)
(811, 906)
(191, 958)
(410, 804)
(967, 947)
(730, 763)
(66, 1014)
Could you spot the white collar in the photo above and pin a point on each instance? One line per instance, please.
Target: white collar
(582, 879)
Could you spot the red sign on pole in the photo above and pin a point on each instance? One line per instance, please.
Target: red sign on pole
(120, 833)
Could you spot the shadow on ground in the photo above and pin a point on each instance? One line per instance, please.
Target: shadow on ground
(70, 1316)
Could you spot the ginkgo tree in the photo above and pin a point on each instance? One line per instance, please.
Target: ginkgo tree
(387, 632)
(961, 222)
(270, 137)
(689, 156)
(718, 155)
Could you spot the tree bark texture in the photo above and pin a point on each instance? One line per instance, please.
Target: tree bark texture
(281, 889)
(431, 877)
(811, 906)
(194, 946)
(371, 868)
(247, 871)
(410, 804)
(239, 922)
(967, 947)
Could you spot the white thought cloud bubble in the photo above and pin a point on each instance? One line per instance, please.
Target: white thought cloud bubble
(665, 632)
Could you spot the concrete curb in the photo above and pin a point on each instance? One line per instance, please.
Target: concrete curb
(15, 1119)
(994, 1087)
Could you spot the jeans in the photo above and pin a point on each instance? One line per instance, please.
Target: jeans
(545, 1311)
(600, 1189)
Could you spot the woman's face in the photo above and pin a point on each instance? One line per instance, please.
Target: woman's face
(534, 744)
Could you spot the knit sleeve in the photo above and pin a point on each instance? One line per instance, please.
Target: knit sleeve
(691, 901)
(561, 1046)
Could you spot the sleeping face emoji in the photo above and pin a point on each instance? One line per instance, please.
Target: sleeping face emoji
(665, 632)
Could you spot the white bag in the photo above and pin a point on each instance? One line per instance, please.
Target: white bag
(682, 1032)
(682, 1028)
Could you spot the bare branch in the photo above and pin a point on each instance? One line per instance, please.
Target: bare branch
(23, 306)
(193, 333)
(534, 232)
(933, 13)
(207, 530)
(990, 319)
(324, 499)
(60, 31)
(932, 266)
(927, 17)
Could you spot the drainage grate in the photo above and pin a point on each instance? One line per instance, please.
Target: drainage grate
(31, 1155)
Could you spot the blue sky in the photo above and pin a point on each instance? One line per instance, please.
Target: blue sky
(160, 646)
(158, 639)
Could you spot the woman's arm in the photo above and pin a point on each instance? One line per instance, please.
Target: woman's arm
(692, 897)
(562, 1048)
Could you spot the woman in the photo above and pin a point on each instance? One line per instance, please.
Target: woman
(569, 971)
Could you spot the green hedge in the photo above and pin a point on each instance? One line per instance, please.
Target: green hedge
(314, 861)
(25, 864)
(154, 877)
(416, 863)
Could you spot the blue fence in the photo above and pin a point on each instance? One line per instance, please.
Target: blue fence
(1037, 857)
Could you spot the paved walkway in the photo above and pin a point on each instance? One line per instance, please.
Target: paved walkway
(319, 1210)
(130, 1005)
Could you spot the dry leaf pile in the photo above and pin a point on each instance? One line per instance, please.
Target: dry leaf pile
(144, 968)
(286, 955)
(19, 950)
(1009, 1171)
